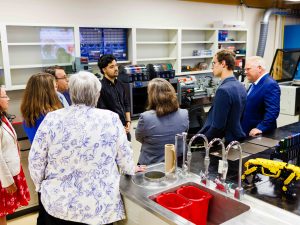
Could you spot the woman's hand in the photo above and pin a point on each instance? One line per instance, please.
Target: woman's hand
(140, 168)
(11, 189)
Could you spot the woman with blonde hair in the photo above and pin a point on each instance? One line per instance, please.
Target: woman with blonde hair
(159, 125)
(13, 187)
(39, 98)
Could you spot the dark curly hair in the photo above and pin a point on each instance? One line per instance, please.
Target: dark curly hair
(104, 60)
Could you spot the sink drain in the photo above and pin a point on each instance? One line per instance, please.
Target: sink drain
(155, 176)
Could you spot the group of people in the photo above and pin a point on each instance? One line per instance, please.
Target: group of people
(236, 112)
(79, 128)
(77, 147)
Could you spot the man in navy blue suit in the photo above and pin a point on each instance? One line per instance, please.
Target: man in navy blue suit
(224, 117)
(263, 99)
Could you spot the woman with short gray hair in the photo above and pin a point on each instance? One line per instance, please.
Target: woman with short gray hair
(84, 88)
(75, 156)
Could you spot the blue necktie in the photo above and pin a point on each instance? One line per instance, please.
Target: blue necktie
(252, 87)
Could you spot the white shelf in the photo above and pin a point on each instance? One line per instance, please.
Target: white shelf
(38, 65)
(157, 59)
(240, 55)
(39, 43)
(119, 62)
(196, 57)
(197, 42)
(17, 87)
(155, 42)
(232, 42)
(194, 72)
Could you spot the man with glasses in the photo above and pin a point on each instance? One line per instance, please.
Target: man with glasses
(224, 117)
(263, 99)
(62, 82)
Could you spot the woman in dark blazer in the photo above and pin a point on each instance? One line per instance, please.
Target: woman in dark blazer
(159, 125)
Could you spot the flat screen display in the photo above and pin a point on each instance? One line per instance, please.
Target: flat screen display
(57, 45)
(285, 65)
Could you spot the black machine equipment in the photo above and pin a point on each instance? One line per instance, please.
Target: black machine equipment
(239, 71)
(136, 78)
(81, 63)
(162, 70)
(131, 73)
(288, 149)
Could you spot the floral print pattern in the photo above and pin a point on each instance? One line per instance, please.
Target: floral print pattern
(74, 162)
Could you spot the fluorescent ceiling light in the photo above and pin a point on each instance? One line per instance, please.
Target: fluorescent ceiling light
(292, 0)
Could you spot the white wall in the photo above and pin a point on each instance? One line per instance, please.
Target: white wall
(136, 13)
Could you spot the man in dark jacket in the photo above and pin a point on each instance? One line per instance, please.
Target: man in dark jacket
(113, 94)
(263, 99)
(224, 117)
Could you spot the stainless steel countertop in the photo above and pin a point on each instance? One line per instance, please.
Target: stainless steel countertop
(260, 213)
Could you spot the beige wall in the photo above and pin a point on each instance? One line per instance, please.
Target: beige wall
(137, 13)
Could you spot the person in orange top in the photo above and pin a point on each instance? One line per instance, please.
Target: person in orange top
(14, 191)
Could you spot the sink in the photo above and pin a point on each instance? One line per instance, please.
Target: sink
(221, 208)
(140, 179)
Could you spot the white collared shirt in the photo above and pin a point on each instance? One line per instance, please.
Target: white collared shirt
(257, 81)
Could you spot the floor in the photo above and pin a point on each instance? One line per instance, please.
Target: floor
(30, 219)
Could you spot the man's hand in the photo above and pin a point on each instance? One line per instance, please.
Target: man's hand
(127, 127)
(255, 132)
(11, 189)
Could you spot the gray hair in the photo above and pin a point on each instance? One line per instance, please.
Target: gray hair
(84, 88)
(257, 61)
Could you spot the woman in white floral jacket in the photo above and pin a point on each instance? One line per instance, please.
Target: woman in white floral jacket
(75, 156)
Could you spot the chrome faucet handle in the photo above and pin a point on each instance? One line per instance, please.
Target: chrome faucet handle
(239, 193)
(203, 178)
(184, 169)
(221, 186)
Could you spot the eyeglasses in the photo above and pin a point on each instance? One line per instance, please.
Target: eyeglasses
(4, 96)
(62, 78)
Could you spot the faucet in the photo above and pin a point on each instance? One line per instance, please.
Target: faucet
(206, 159)
(239, 191)
(221, 185)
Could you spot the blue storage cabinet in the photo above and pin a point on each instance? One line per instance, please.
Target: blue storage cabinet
(115, 42)
(292, 41)
(94, 42)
